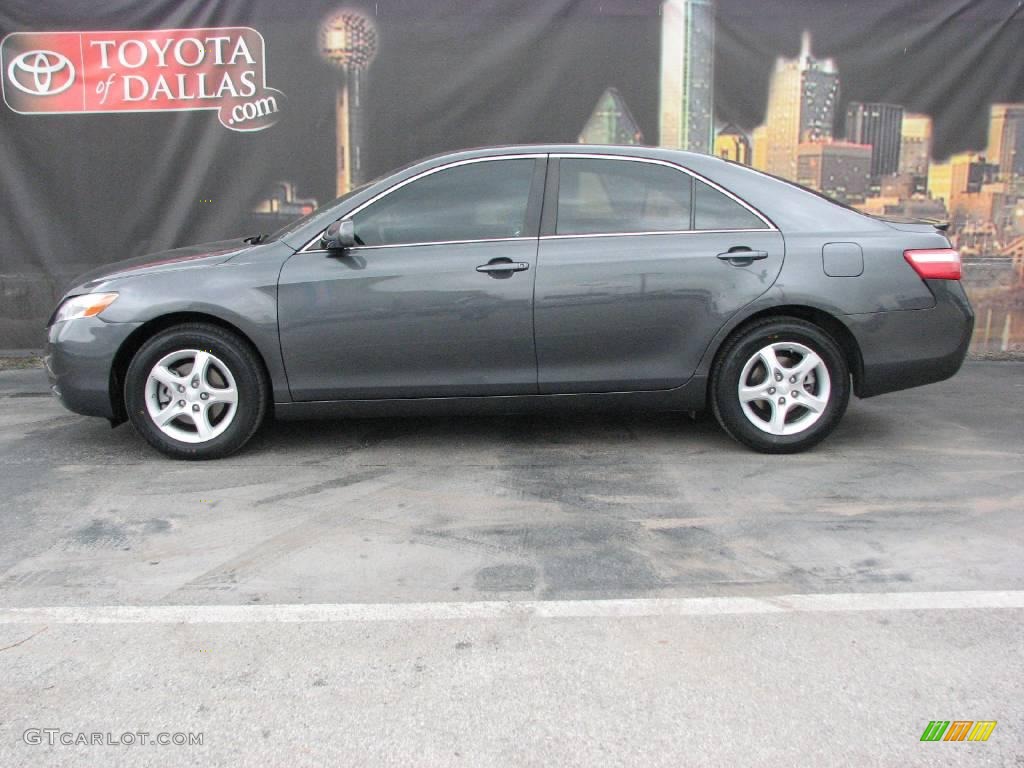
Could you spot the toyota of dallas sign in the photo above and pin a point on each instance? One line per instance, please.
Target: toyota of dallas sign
(220, 68)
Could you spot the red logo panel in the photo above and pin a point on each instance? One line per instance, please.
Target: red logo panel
(220, 68)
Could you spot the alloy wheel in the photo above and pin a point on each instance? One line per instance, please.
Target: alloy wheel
(191, 395)
(784, 388)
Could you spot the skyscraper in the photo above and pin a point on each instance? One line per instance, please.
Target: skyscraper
(1006, 139)
(964, 173)
(801, 107)
(879, 125)
(759, 148)
(840, 169)
(915, 149)
(687, 75)
(611, 122)
(732, 144)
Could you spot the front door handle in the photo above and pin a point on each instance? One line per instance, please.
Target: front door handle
(741, 257)
(503, 266)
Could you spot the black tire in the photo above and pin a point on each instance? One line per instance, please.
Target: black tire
(725, 381)
(234, 352)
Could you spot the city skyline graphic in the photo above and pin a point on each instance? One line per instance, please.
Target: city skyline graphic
(878, 159)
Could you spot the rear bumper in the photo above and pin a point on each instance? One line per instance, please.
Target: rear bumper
(910, 348)
(79, 356)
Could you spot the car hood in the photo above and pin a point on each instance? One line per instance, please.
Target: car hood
(190, 256)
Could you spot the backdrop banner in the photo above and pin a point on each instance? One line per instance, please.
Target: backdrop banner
(132, 126)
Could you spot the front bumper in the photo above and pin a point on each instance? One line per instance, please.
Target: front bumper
(909, 348)
(79, 357)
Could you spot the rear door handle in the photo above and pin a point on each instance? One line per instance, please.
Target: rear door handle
(742, 257)
(503, 266)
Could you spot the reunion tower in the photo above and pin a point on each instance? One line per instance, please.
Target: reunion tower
(348, 40)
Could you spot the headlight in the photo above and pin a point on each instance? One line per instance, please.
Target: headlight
(86, 305)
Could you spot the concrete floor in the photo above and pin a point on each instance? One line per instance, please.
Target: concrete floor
(621, 525)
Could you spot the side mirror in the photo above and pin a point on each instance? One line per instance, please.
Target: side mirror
(340, 236)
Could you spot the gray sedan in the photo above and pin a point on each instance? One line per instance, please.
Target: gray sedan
(512, 278)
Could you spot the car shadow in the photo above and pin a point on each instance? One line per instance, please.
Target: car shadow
(520, 431)
(74, 438)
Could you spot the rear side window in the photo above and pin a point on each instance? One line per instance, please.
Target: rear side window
(609, 196)
(474, 201)
(715, 210)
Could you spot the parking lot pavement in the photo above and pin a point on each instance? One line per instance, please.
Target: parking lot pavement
(916, 493)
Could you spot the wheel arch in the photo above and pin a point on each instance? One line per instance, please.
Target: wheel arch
(828, 322)
(146, 331)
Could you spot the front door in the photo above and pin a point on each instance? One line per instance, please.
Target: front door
(437, 301)
(634, 276)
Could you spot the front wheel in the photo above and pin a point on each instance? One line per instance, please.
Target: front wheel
(196, 391)
(780, 386)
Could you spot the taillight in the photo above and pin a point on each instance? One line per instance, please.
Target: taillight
(935, 263)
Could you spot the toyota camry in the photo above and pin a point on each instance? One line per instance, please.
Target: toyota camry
(508, 279)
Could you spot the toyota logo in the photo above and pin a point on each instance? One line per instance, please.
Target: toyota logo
(40, 73)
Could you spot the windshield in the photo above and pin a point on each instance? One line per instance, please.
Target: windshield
(300, 222)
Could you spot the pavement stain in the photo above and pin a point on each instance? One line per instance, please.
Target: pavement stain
(109, 533)
(506, 578)
(608, 569)
(690, 536)
(100, 533)
(327, 485)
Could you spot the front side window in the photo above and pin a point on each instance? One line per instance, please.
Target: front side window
(475, 201)
(608, 196)
(715, 210)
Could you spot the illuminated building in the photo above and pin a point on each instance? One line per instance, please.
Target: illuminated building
(348, 40)
(963, 173)
(283, 201)
(687, 75)
(801, 108)
(880, 126)
(278, 207)
(759, 150)
(611, 122)
(920, 208)
(916, 149)
(732, 144)
(1006, 139)
(840, 169)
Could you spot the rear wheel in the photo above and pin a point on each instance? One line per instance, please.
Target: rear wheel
(780, 386)
(196, 391)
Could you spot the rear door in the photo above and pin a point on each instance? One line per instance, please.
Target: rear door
(639, 265)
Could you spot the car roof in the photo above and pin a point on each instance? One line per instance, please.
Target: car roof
(628, 150)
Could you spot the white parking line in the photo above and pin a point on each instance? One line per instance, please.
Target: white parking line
(553, 609)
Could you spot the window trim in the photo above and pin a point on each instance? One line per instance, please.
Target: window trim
(768, 225)
(307, 248)
(549, 156)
